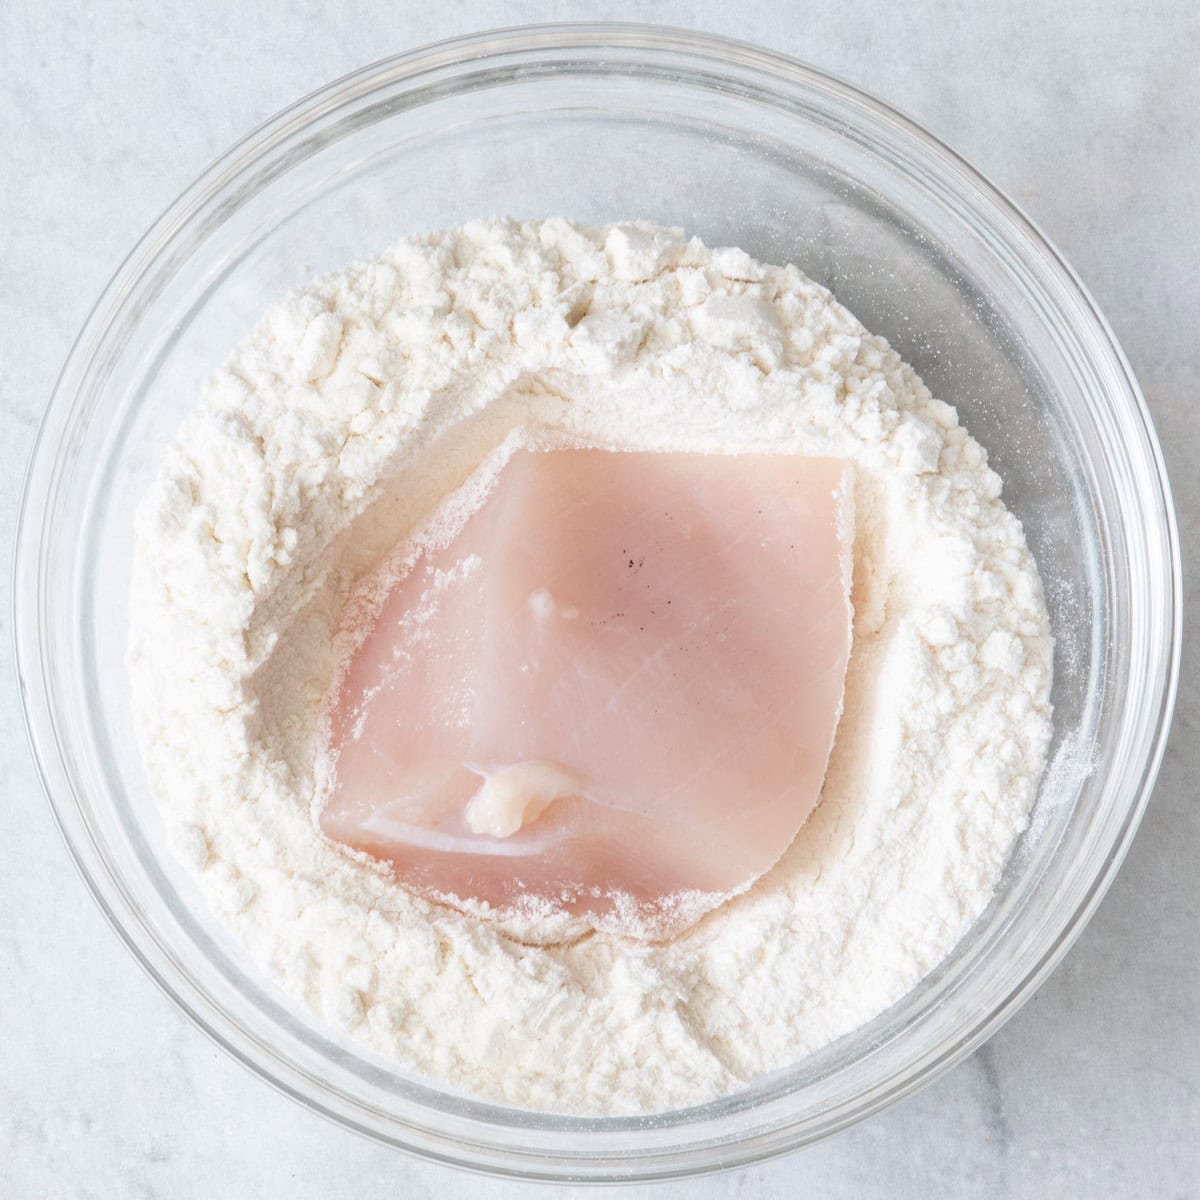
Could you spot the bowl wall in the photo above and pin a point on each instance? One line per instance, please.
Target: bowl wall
(739, 147)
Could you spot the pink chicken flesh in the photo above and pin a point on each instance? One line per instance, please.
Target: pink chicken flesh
(612, 693)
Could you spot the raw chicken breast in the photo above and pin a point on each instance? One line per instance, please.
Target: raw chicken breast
(612, 693)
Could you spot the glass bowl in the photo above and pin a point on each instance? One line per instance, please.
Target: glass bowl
(740, 146)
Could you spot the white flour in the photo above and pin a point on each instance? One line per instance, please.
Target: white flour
(342, 421)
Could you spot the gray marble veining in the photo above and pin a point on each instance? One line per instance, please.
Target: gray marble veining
(1084, 112)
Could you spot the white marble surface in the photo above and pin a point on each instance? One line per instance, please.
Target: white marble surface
(1085, 112)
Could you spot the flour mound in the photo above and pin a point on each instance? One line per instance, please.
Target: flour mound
(336, 429)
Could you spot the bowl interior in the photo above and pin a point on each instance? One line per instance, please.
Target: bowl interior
(792, 168)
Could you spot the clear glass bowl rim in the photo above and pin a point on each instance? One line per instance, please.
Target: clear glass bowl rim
(458, 55)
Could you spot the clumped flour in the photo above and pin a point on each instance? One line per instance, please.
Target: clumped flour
(339, 425)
